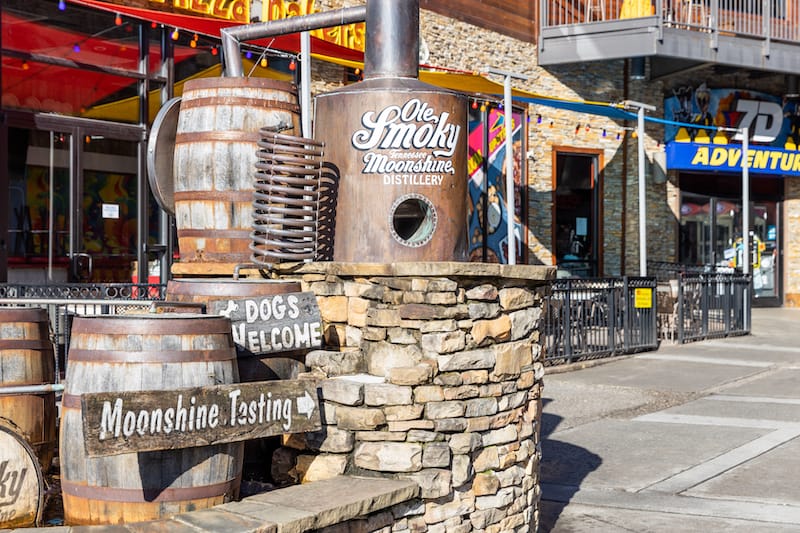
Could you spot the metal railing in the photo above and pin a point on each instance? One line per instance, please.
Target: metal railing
(65, 301)
(600, 317)
(713, 305)
(763, 19)
(701, 302)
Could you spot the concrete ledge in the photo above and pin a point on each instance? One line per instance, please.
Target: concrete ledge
(292, 509)
(427, 268)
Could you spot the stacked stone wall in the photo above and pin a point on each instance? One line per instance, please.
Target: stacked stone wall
(432, 372)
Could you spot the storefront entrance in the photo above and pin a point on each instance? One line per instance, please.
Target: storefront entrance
(711, 230)
(577, 204)
(72, 186)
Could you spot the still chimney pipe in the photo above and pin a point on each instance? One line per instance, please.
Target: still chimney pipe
(392, 41)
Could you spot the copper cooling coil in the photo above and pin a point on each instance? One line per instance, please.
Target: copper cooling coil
(295, 236)
(268, 171)
(291, 158)
(286, 198)
(264, 201)
(284, 139)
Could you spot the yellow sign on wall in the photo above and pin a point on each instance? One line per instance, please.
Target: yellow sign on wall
(350, 36)
(235, 10)
(642, 298)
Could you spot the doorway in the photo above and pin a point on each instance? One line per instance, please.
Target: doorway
(576, 212)
(72, 199)
(711, 235)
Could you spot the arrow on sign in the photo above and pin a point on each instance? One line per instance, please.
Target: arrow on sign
(305, 405)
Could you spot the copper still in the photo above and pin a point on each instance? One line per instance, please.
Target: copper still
(400, 148)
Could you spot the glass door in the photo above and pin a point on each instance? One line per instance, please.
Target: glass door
(767, 253)
(38, 174)
(72, 199)
(576, 215)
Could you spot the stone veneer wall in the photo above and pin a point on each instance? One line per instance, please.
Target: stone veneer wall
(433, 373)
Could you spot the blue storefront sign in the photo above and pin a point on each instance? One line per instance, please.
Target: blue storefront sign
(705, 133)
(728, 158)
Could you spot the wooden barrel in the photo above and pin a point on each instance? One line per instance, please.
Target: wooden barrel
(214, 161)
(140, 353)
(22, 491)
(251, 368)
(27, 358)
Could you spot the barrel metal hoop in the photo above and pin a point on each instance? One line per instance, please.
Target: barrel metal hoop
(254, 103)
(11, 314)
(70, 401)
(155, 356)
(25, 344)
(216, 196)
(144, 325)
(214, 233)
(149, 495)
(194, 137)
(239, 84)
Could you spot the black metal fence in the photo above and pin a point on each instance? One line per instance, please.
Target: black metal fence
(696, 303)
(65, 301)
(600, 317)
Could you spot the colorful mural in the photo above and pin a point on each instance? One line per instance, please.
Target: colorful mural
(488, 235)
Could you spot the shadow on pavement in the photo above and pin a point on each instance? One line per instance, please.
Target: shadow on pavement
(563, 464)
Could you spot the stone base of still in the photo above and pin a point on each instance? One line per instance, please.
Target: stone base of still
(432, 372)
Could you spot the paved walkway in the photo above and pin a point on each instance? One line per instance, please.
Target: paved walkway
(702, 437)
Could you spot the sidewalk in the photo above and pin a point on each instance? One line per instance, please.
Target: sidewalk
(701, 437)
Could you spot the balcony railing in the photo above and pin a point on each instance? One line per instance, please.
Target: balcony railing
(777, 20)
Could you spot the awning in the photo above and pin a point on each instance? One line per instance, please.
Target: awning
(211, 28)
(476, 83)
(126, 109)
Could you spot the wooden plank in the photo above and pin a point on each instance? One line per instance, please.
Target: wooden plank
(273, 324)
(122, 422)
(515, 19)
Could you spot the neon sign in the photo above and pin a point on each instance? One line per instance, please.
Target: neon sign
(350, 36)
(235, 10)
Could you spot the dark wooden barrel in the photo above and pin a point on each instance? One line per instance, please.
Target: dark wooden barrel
(27, 358)
(205, 290)
(215, 157)
(22, 491)
(139, 353)
(257, 452)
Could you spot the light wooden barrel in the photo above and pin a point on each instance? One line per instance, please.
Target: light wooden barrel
(27, 358)
(214, 161)
(23, 484)
(139, 353)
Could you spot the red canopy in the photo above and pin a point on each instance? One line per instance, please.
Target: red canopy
(211, 28)
(70, 88)
(31, 84)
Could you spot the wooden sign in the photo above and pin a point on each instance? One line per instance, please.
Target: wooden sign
(273, 324)
(21, 484)
(137, 421)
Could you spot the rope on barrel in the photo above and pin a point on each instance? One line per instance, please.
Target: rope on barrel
(286, 198)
